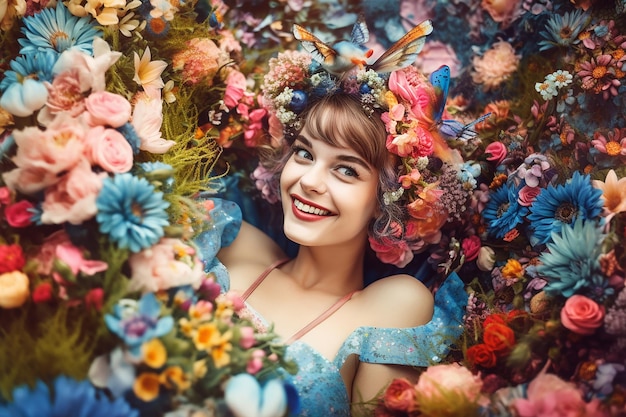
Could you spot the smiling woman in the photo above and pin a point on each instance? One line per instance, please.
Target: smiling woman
(349, 339)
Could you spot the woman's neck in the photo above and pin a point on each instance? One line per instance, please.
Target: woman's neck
(329, 269)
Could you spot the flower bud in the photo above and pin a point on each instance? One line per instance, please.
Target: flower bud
(486, 258)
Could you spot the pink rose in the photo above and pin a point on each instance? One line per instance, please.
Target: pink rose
(247, 337)
(548, 395)
(47, 252)
(497, 150)
(73, 199)
(109, 149)
(582, 315)
(400, 396)
(396, 253)
(169, 263)
(107, 109)
(14, 290)
(471, 247)
(527, 195)
(235, 87)
(255, 363)
(18, 214)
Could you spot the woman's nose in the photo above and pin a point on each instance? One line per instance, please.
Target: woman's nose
(314, 179)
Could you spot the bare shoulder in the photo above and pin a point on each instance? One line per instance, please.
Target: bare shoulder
(250, 246)
(398, 301)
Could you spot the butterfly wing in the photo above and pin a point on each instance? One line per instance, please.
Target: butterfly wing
(403, 53)
(440, 80)
(360, 33)
(321, 52)
(457, 130)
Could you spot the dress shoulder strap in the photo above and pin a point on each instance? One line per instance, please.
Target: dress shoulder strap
(261, 277)
(325, 314)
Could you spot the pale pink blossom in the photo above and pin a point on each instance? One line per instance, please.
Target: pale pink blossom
(43, 154)
(73, 198)
(247, 337)
(107, 109)
(147, 119)
(613, 192)
(502, 11)
(439, 381)
(235, 88)
(109, 149)
(64, 95)
(527, 195)
(199, 60)
(169, 263)
(73, 258)
(255, 363)
(497, 152)
(47, 252)
(435, 54)
(548, 395)
(91, 70)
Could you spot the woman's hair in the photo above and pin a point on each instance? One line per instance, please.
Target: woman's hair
(340, 120)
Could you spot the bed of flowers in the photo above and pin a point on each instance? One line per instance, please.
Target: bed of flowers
(114, 115)
(107, 307)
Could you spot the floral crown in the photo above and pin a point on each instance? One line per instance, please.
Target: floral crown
(434, 185)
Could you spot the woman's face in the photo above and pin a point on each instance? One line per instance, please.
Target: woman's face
(328, 194)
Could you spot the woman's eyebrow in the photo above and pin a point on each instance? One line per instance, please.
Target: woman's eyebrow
(345, 158)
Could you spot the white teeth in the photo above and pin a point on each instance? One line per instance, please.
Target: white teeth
(308, 209)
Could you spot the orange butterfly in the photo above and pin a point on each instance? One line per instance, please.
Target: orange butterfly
(345, 55)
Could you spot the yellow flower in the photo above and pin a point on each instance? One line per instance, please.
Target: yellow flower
(148, 72)
(146, 386)
(513, 269)
(613, 192)
(206, 336)
(14, 290)
(154, 353)
(221, 351)
(176, 376)
(199, 369)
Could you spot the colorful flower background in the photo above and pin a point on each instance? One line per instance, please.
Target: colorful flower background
(120, 121)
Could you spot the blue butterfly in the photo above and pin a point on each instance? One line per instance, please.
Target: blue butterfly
(450, 129)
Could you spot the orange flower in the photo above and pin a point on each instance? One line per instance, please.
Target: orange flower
(206, 336)
(499, 338)
(146, 386)
(154, 353)
(513, 269)
(481, 355)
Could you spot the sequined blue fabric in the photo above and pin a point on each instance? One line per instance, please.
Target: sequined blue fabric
(318, 381)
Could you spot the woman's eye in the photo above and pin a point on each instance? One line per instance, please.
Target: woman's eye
(348, 171)
(303, 153)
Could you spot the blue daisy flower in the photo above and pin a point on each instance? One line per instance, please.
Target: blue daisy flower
(131, 212)
(572, 262)
(59, 30)
(563, 30)
(562, 204)
(67, 397)
(37, 66)
(503, 212)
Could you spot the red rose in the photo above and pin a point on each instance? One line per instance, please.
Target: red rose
(400, 395)
(471, 247)
(42, 292)
(494, 318)
(499, 337)
(481, 355)
(11, 258)
(17, 214)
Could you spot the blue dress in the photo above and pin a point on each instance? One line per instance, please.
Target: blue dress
(319, 384)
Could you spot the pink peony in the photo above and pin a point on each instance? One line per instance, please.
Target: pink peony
(73, 258)
(435, 54)
(548, 395)
(200, 60)
(73, 199)
(109, 149)
(495, 66)
(18, 214)
(107, 109)
(394, 253)
(42, 155)
(169, 263)
(446, 390)
(582, 315)
(64, 95)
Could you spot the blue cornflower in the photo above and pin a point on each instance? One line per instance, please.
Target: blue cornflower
(563, 30)
(131, 212)
(130, 134)
(137, 322)
(572, 262)
(503, 212)
(562, 204)
(23, 88)
(67, 397)
(59, 30)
